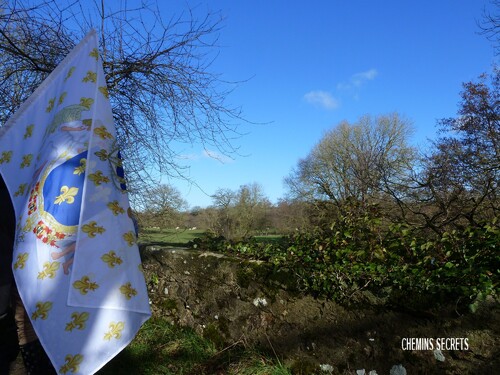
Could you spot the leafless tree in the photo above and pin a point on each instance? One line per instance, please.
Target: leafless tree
(238, 214)
(354, 161)
(162, 207)
(490, 25)
(163, 92)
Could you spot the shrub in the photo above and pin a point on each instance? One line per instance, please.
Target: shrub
(396, 263)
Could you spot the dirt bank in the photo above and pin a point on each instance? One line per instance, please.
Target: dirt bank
(231, 300)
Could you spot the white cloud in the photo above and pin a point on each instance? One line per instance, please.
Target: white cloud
(206, 154)
(188, 157)
(217, 156)
(322, 99)
(368, 75)
(358, 79)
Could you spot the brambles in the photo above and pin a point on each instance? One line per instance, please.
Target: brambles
(396, 264)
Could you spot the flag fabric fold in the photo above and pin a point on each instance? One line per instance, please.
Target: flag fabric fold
(76, 260)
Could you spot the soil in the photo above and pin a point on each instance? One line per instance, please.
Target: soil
(230, 300)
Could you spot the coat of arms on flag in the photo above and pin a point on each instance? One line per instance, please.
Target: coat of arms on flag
(76, 261)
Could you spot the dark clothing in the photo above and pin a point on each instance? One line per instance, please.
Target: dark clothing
(7, 232)
(8, 335)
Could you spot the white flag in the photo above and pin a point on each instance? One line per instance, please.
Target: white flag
(76, 262)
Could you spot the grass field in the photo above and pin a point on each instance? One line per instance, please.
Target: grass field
(168, 237)
(181, 237)
(161, 348)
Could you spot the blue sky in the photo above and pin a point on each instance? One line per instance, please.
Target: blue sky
(310, 65)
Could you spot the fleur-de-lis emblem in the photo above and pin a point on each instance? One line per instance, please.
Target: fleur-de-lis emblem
(78, 321)
(26, 160)
(86, 102)
(102, 154)
(115, 208)
(87, 122)
(67, 195)
(6, 157)
(92, 229)
(102, 132)
(20, 190)
(104, 91)
(29, 224)
(72, 363)
(90, 77)
(115, 330)
(70, 73)
(62, 97)
(29, 131)
(128, 291)
(98, 178)
(49, 270)
(42, 310)
(81, 169)
(84, 285)
(129, 237)
(94, 53)
(111, 259)
(21, 261)
(50, 107)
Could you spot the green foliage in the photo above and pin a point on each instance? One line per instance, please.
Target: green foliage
(395, 263)
(254, 248)
(162, 348)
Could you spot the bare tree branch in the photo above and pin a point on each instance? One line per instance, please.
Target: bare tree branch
(163, 92)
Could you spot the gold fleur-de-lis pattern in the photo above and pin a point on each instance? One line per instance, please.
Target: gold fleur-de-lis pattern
(29, 224)
(115, 330)
(70, 73)
(81, 168)
(62, 97)
(26, 160)
(42, 310)
(104, 91)
(86, 280)
(87, 122)
(85, 285)
(92, 229)
(115, 207)
(94, 54)
(78, 321)
(90, 77)
(98, 178)
(72, 363)
(111, 259)
(49, 270)
(50, 105)
(128, 291)
(21, 261)
(102, 154)
(67, 195)
(129, 237)
(29, 131)
(5, 157)
(86, 102)
(21, 190)
(103, 133)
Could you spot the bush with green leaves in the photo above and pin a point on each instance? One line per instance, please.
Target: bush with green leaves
(395, 263)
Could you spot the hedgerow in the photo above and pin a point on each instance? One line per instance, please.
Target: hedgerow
(395, 263)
